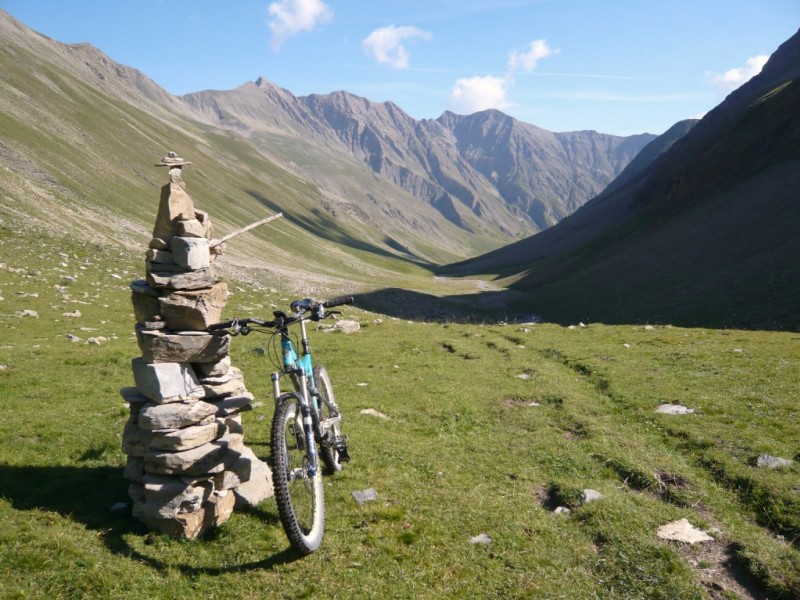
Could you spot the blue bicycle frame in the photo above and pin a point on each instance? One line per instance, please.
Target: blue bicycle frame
(301, 369)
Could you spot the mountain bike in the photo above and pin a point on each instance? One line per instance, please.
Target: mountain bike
(306, 425)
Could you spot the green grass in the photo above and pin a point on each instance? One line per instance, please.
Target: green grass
(462, 454)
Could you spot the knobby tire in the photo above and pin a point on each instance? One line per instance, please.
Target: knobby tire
(300, 500)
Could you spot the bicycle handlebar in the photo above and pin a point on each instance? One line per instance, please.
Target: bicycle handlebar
(281, 319)
(340, 301)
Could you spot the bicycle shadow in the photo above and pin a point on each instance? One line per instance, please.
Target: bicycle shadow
(86, 495)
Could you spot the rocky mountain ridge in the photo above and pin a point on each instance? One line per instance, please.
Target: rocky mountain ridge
(704, 233)
(484, 168)
(426, 190)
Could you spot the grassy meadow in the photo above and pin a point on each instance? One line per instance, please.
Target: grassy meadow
(490, 427)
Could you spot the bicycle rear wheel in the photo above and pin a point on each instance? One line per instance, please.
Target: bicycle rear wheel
(329, 411)
(299, 496)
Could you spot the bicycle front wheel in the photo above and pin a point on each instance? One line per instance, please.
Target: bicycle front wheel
(299, 496)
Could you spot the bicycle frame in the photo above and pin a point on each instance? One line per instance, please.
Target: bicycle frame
(301, 370)
(304, 418)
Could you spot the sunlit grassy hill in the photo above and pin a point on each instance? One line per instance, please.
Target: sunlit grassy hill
(371, 197)
(81, 136)
(480, 438)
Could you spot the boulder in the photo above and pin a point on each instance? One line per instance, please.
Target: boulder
(227, 480)
(159, 346)
(233, 404)
(215, 369)
(135, 440)
(343, 325)
(191, 252)
(255, 477)
(188, 526)
(191, 228)
(158, 244)
(772, 462)
(194, 310)
(188, 437)
(145, 301)
(134, 468)
(219, 507)
(166, 382)
(166, 497)
(589, 495)
(213, 457)
(155, 417)
(175, 204)
(673, 409)
(189, 280)
(132, 396)
(683, 531)
(234, 386)
(159, 256)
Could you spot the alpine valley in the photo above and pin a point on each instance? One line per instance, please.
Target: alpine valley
(375, 200)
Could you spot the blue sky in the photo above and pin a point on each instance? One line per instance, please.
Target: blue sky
(615, 66)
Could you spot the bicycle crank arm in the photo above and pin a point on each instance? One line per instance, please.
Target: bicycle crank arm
(326, 423)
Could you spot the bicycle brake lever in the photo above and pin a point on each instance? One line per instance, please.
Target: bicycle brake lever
(235, 327)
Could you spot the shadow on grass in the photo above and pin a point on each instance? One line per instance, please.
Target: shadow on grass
(483, 307)
(323, 226)
(86, 495)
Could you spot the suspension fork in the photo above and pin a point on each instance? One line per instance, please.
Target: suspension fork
(308, 425)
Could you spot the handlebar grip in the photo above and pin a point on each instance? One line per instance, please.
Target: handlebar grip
(340, 301)
(220, 326)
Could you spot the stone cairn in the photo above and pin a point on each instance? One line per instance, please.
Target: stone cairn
(187, 461)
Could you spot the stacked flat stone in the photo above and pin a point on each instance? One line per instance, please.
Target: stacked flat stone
(187, 461)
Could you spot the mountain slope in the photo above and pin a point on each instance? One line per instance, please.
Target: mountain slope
(544, 175)
(79, 136)
(706, 234)
(486, 173)
(370, 194)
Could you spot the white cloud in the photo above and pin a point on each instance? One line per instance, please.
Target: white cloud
(385, 45)
(290, 17)
(474, 94)
(527, 61)
(733, 78)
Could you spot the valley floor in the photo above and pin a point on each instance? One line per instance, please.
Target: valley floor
(490, 428)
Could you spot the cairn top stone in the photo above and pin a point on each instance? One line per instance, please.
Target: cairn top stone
(172, 160)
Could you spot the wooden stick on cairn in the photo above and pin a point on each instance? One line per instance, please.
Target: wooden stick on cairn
(220, 241)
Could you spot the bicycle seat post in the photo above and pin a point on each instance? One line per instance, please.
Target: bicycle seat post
(304, 338)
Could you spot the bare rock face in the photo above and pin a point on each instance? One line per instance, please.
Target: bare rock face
(187, 459)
